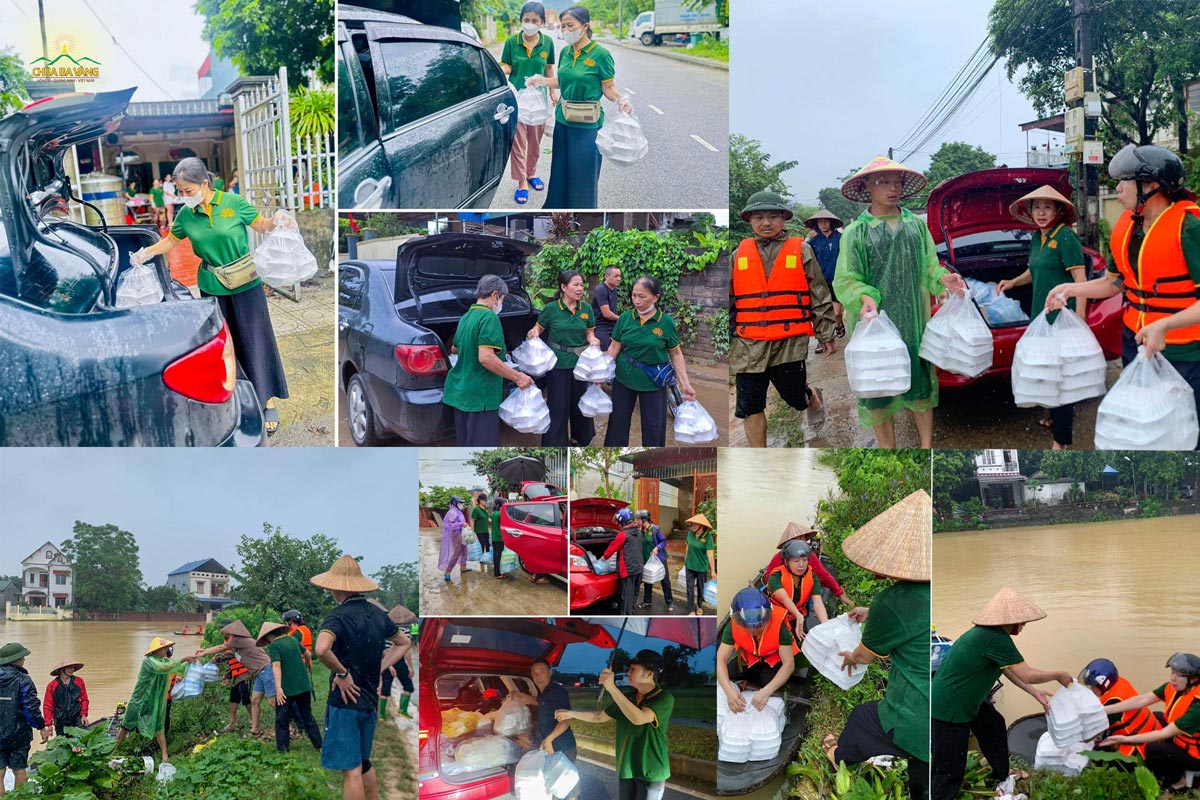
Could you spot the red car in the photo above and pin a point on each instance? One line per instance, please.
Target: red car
(592, 531)
(471, 664)
(536, 530)
(977, 237)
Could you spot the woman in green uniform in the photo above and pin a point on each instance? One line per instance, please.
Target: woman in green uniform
(146, 711)
(698, 563)
(481, 521)
(585, 74)
(526, 54)
(569, 328)
(642, 714)
(216, 224)
(497, 541)
(1055, 255)
(644, 343)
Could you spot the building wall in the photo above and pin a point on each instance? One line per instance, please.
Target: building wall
(995, 463)
(709, 288)
(1051, 493)
(50, 565)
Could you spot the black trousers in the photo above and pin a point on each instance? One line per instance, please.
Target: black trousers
(497, 551)
(562, 396)
(1168, 762)
(648, 592)
(634, 789)
(695, 581)
(297, 707)
(629, 588)
(790, 380)
(254, 342)
(477, 428)
(1063, 424)
(864, 737)
(949, 750)
(653, 408)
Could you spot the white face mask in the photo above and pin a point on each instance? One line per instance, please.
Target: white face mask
(499, 305)
(192, 200)
(530, 28)
(571, 37)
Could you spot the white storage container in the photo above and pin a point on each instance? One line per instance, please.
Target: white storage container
(822, 645)
(1150, 407)
(877, 360)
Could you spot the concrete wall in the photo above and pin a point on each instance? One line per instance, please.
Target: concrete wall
(710, 289)
(15, 613)
(1051, 493)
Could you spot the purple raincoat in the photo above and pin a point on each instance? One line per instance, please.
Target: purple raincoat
(453, 550)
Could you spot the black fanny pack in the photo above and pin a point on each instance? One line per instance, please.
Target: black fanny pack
(564, 349)
(662, 375)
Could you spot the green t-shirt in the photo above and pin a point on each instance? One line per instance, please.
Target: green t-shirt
(1189, 723)
(219, 184)
(696, 558)
(496, 536)
(566, 328)
(642, 751)
(156, 195)
(785, 634)
(649, 341)
(470, 387)
(524, 61)
(969, 671)
(581, 79)
(1053, 257)
(479, 520)
(897, 627)
(288, 653)
(218, 239)
(775, 583)
(1189, 235)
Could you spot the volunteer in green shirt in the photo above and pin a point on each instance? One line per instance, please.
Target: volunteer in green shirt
(216, 224)
(585, 74)
(698, 561)
(895, 544)
(497, 541)
(526, 54)
(156, 197)
(963, 682)
(480, 522)
(569, 328)
(219, 183)
(642, 714)
(1055, 255)
(293, 688)
(644, 338)
(475, 383)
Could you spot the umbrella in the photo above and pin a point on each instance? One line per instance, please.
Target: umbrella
(402, 616)
(695, 632)
(521, 468)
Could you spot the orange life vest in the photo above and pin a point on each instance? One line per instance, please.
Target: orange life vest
(1161, 285)
(305, 637)
(1178, 704)
(778, 307)
(1131, 723)
(753, 649)
(237, 671)
(779, 612)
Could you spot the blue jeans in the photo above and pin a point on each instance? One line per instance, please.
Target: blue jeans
(349, 736)
(264, 682)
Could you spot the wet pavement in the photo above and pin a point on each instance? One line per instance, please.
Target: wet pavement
(598, 781)
(658, 603)
(478, 593)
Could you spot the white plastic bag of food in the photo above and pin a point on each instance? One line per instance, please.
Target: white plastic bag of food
(957, 339)
(282, 259)
(139, 286)
(621, 141)
(482, 753)
(822, 645)
(526, 411)
(1076, 715)
(595, 402)
(653, 571)
(595, 366)
(877, 359)
(1036, 366)
(1150, 407)
(694, 425)
(1066, 760)
(534, 357)
(512, 718)
(533, 107)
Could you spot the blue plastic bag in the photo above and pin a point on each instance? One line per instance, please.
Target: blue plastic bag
(710, 592)
(474, 551)
(1005, 311)
(509, 562)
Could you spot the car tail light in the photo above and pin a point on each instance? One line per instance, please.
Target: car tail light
(208, 373)
(421, 359)
(577, 561)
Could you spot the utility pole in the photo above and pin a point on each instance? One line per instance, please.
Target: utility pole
(42, 20)
(620, 20)
(1087, 193)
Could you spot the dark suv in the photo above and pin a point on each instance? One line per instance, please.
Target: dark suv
(426, 117)
(78, 370)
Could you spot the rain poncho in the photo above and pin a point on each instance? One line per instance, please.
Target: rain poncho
(892, 259)
(147, 709)
(453, 550)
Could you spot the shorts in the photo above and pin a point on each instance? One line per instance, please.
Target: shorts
(264, 682)
(349, 736)
(14, 751)
(240, 693)
(790, 380)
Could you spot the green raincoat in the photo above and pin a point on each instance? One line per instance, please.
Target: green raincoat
(893, 260)
(147, 709)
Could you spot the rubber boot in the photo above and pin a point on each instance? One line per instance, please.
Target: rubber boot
(383, 701)
(755, 426)
(404, 698)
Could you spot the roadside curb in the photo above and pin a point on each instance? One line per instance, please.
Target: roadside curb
(666, 53)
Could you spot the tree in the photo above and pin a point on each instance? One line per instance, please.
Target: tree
(832, 199)
(750, 171)
(259, 36)
(952, 470)
(951, 160)
(13, 94)
(104, 561)
(275, 570)
(677, 670)
(600, 460)
(438, 497)
(167, 598)
(398, 585)
(487, 463)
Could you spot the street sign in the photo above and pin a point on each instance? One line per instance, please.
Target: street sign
(1073, 84)
(1074, 121)
(1093, 153)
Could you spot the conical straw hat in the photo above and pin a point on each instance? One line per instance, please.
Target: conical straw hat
(268, 628)
(794, 530)
(1009, 607)
(344, 576)
(898, 542)
(856, 187)
(699, 519)
(1022, 208)
(236, 628)
(402, 616)
(824, 213)
(158, 644)
(66, 662)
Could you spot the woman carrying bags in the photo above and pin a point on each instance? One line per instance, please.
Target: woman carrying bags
(569, 328)
(645, 345)
(526, 54)
(1055, 255)
(585, 74)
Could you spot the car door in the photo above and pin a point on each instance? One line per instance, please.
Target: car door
(537, 535)
(352, 280)
(364, 179)
(439, 120)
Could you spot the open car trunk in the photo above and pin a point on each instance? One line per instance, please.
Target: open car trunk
(993, 268)
(468, 748)
(594, 541)
(516, 325)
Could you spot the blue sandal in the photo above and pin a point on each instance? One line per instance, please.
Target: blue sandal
(521, 196)
(537, 184)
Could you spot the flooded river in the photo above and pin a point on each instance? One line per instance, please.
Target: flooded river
(1123, 590)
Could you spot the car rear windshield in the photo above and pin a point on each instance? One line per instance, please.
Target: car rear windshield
(426, 77)
(989, 243)
(457, 636)
(467, 268)
(533, 513)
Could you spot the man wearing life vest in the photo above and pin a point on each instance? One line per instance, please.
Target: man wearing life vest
(1155, 260)
(1102, 678)
(762, 646)
(790, 586)
(1175, 748)
(778, 299)
(296, 627)
(247, 662)
(628, 543)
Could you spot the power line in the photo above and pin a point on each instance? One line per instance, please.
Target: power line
(24, 13)
(128, 55)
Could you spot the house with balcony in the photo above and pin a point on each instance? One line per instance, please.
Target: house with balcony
(205, 580)
(1001, 484)
(47, 578)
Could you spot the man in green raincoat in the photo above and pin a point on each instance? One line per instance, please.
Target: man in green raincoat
(146, 712)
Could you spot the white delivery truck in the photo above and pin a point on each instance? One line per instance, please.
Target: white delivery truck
(671, 17)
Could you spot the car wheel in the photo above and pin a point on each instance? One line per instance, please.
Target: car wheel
(647, 39)
(360, 414)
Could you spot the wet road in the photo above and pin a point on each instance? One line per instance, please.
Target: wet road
(479, 593)
(712, 392)
(598, 781)
(658, 603)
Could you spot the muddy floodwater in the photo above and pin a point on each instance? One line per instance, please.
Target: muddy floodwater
(1123, 590)
(110, 651)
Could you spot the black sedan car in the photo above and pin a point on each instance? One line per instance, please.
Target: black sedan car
(396, 321)
(74, 369)
(426, 117)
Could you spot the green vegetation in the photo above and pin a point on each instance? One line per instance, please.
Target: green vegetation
(275, 569)
(487, 463)
(104, 561)
(438, 497)
(708, 47)
(311, 113)
(259, 36)
(13, 93)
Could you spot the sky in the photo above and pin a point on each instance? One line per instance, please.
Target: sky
(163, 36)
(831, 85)
(589, 658)
(447, 466)
(186, 504)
